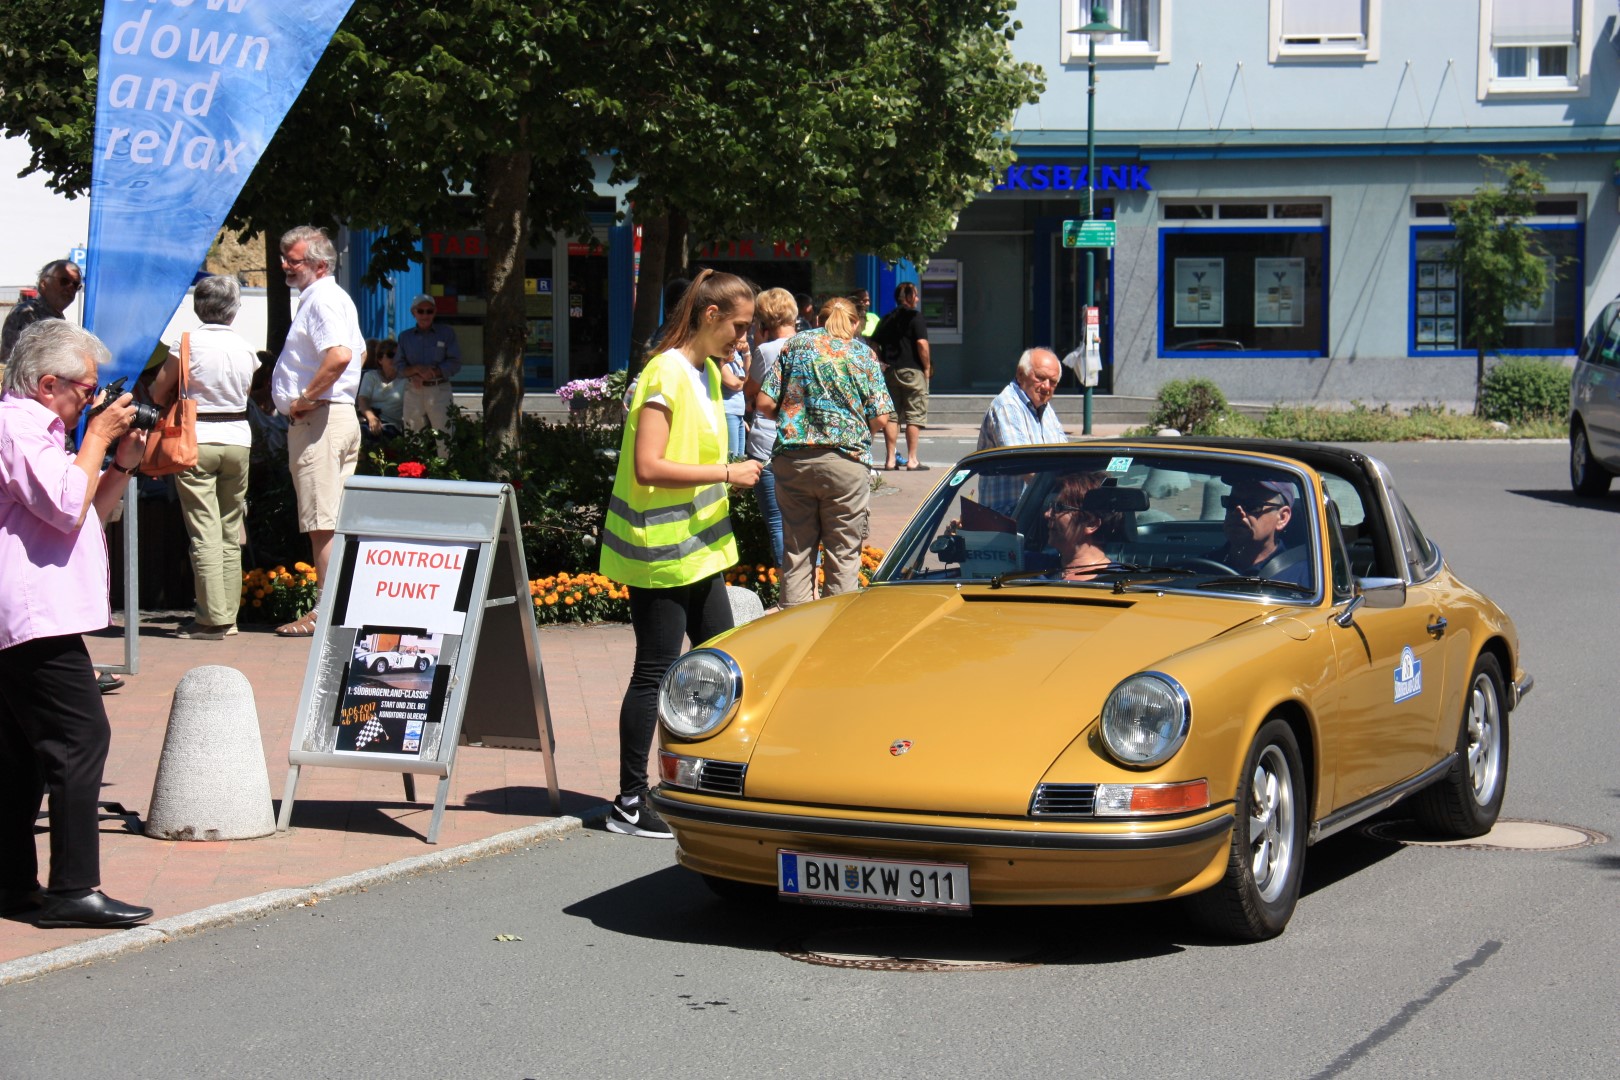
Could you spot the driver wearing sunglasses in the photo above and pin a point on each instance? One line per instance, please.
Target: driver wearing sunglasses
(1257, 513)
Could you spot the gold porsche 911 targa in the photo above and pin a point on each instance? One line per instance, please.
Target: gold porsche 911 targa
(1099, 673)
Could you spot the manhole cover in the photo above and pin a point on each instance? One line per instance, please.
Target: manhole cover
(1508, 835)
(889, 948)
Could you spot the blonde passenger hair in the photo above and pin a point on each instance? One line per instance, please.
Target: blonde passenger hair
(775, 308)
(838, 317)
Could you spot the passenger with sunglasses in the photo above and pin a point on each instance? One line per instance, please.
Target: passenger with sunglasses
(59, 284)
(1079, 534)
(1257, 513)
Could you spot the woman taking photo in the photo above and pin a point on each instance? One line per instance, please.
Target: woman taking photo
(213, 493)
(667, 535)
(827, 395)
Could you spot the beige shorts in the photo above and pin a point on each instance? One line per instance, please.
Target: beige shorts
(908, 386)
(322, 449)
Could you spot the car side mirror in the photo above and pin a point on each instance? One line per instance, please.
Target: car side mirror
(1373, 592)
(1382, 592)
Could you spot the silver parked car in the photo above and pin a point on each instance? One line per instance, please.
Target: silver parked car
(1594, 406)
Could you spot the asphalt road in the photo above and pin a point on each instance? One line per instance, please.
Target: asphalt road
(1401, 961)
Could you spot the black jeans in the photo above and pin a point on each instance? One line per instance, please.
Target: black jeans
(661, 618)
(53, 737)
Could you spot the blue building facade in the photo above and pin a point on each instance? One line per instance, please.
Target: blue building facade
(1278, 171)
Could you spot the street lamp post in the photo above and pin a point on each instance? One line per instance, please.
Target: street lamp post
(1098, 28)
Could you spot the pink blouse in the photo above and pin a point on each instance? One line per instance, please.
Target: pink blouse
(53, 577)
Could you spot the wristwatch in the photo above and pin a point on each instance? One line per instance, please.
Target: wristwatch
(131, 471)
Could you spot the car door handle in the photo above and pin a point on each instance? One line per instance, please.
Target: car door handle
(1437, 628)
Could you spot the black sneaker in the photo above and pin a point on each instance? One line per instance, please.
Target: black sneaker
(636, 817)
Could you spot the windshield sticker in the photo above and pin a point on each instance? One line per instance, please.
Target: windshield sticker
(959, 476)
(1409, 676)
(1119, 464)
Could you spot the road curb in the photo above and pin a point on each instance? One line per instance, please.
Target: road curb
(267, 903)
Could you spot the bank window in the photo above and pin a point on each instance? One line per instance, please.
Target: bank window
(1242, 291)
(1145, 26)
(1324, 28)
(1438, 323)
(1534, 46)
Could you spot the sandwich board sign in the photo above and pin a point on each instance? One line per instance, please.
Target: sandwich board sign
(425, 638)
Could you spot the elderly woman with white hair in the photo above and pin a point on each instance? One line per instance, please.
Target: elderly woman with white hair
(213, 493)
(54, 733)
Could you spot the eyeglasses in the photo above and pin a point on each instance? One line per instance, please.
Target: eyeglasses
(1065, 508)
(423, 311)
(88, 388)
(71, 283)
(285, 261)
(1250, 509)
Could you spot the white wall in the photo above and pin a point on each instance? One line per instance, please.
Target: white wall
(38, 224)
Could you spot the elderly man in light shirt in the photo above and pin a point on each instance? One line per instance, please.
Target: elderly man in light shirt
(1021, 415)
(314, 385)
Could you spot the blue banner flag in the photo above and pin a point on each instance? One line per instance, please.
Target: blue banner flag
(189, 94)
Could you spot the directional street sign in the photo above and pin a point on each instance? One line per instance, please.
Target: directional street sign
(1088, 234)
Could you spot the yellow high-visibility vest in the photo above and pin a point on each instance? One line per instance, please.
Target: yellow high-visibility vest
(660, 537)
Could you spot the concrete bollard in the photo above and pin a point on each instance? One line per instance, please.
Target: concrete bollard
(746, 605)
(211, 783)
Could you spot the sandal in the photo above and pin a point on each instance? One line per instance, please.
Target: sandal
(107, 682)
(303, 627)
(918, 467)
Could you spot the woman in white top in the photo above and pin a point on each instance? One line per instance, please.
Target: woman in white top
(213, 494)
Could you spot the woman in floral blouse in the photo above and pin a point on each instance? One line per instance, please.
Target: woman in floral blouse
(828, 397)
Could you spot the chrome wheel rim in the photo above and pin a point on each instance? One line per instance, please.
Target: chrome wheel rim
(1484, 736)
(1271, 822)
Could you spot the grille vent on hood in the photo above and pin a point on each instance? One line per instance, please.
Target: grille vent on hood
(722, 777)
(1064, 800)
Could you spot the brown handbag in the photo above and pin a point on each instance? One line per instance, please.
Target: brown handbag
(171, 446)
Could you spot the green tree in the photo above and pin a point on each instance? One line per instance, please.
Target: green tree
(849, 125)
(1499, 260)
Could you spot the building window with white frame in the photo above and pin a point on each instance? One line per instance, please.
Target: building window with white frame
(1318, 29)
(1534, 46)
(1145, 26)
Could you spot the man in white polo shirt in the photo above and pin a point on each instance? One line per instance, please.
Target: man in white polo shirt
(316, 378)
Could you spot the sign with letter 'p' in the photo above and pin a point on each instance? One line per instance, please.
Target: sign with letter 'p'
(426, 638)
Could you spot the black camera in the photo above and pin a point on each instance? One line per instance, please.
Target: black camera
(146, 416)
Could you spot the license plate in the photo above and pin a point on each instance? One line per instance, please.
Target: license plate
(841, 881)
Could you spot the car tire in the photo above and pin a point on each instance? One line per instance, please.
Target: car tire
(421, 663)
(1586, 475)
(1467, 800)
(380, 667)
(1256, 897)
(744, 893)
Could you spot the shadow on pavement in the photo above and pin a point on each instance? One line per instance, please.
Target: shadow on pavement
(674, 905)
(1610, 502)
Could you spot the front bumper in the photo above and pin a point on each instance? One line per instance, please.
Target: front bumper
(1008, 863)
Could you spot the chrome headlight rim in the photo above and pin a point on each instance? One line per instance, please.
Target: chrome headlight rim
(722, 716)
(1172, 746)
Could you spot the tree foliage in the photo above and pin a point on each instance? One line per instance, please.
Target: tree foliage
(1499, 260)
(846, 124)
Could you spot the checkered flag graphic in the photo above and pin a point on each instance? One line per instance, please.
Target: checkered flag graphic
(372, 732)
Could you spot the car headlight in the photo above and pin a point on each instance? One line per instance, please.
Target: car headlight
(699, 692)
(1145, 719)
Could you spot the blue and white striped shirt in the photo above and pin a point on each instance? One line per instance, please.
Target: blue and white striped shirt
(1012, 421)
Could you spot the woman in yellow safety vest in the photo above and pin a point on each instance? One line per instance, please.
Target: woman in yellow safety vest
(667, 534)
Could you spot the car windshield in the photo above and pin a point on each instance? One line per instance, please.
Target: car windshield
(1120, 518)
